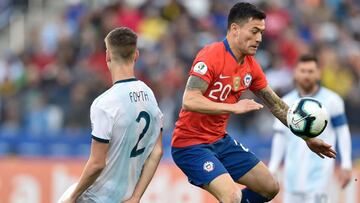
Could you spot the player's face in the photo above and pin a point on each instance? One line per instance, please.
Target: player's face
(307, 74)
(249, 36)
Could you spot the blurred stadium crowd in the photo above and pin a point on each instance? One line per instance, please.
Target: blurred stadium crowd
(53, 67)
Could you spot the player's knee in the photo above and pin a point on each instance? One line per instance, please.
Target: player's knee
(232, 197)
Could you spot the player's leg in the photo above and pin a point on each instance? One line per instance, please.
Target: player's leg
(259, 180)
(246, 169)
(224, 189)
(204, 170)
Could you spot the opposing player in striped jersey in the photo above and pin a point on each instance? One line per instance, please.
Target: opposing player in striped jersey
(306, 176)
(126, 132)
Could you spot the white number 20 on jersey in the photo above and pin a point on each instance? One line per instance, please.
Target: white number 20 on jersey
(224, 91)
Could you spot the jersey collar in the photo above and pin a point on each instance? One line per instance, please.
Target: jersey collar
(227, 47)
(315, 94)
(125, 80)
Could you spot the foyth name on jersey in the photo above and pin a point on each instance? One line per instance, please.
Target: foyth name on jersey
(138, 96)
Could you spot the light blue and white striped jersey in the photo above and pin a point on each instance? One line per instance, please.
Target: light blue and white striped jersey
(128, 118)
(304, 171)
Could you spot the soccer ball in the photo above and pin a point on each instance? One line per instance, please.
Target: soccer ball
(307, 118)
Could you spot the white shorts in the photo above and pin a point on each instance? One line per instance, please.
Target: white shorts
(84, 198)
(68, 192)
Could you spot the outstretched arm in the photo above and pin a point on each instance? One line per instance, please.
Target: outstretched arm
(277, 106)
(194, 100)
(148, 172)
(279, 109)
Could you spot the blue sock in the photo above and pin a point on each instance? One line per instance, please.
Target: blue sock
(249, 196)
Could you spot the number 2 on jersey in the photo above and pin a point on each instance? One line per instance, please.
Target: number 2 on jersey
(143, 114)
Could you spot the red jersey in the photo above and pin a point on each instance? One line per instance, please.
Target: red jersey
(216, 64)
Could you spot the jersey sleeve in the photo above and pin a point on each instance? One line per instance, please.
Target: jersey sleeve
(339, 122)
(101, 124)
(203, 67)
(337, 114)
(259, 79)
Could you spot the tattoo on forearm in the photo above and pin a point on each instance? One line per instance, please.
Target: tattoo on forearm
(196, 83)
(274, 103)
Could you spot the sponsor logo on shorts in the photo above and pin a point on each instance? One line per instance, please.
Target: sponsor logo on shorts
(244, 148)
(241, 145)
(208, 166)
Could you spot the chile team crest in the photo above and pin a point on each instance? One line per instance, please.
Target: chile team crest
(209, 166)
(247, 79)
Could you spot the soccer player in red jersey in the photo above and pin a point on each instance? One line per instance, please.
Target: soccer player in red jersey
(201, 148)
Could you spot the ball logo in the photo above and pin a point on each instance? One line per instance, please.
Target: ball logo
(296, 122)
(208, 166)
(247, 80)
(200, 67)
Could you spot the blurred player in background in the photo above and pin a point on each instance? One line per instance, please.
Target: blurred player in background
(307, 178)
(126, 132)
(201, 148)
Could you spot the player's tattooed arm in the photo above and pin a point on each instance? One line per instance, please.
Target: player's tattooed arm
(196, 83)
(276, 105)
(194, 99)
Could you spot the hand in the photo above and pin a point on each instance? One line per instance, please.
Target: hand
(132, 200)
(345, 177)
(320, 148)
(246, 105)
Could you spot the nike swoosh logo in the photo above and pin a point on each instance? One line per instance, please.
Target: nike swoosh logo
(223, 77)
(295, 122)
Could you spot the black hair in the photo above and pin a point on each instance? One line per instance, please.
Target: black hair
(243, 11)
(308, 58)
